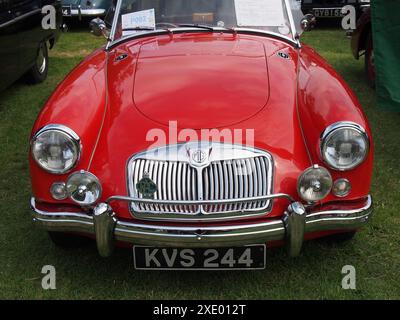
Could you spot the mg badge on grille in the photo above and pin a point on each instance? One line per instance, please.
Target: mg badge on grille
(146, 187)
(199, 156)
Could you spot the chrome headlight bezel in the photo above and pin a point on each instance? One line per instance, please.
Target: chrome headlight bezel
(333, 129)
(69, 134)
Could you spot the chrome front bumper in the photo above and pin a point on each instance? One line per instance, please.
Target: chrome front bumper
(106, 228)
(88, 12)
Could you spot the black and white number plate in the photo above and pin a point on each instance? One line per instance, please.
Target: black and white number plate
(238, 258)
(328, 13)
(66, 11)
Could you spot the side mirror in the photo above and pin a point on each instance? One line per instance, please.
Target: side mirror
(99, 28)
(308, 22)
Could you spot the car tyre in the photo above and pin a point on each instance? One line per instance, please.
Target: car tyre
(38, 72)
(369, 62)
(68, 241)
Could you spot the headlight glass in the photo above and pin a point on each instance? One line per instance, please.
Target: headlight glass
(84, 188)
(344, 146)
(59, 191)
(314, 184)
(56, 149)
(341, 188)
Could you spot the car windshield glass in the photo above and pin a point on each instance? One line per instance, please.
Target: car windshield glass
(135, 16)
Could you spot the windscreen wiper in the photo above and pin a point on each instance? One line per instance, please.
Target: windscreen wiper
(138, 29)
(193, 25)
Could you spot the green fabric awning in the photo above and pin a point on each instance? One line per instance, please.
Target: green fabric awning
(386, 37)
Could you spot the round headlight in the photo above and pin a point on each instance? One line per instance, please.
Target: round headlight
(314, 184)
(84, 188)
(344, 146)
(56, 149)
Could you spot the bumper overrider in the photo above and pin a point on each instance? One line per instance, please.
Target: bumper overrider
(103, 224)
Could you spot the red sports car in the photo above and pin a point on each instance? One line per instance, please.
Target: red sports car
(202, 134)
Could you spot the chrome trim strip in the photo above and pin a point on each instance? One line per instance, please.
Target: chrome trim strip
(209, 236)
(87, 12)
(340, 6)
(295, 34)
(200, 202)
(21, 17)
(189, 29)
(114, 24)
(58, 127)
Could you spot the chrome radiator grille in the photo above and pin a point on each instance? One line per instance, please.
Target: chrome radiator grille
(235, 179)
(228, 172)
(174, 180)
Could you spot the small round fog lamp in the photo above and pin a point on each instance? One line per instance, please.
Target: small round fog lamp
(58, 191)
(314, 184)
(84, 188)
(341, 188)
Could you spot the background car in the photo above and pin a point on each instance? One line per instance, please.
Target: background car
(362, 44)
(85, 8)
(331, 8)
(24, 43)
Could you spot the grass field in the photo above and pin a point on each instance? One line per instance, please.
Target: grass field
(82, 274)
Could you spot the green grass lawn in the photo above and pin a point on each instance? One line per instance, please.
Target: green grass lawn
(82, 274)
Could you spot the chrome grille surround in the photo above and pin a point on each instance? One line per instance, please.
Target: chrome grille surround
(202, 171)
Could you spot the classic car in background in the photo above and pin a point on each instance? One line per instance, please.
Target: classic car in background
(85, 8)
(198, 134)
(362, 44)
(332, 8)
(24, 43)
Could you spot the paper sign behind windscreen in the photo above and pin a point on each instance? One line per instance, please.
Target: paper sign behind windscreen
(140, 19)
(259, 13)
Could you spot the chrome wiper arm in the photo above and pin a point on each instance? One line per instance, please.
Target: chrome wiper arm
(138, 29)
(193, 25)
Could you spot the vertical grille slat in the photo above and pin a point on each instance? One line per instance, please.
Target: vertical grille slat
(217, 186)
(141, 173)
(225, 179)
(263, 170)
(241, 178)
(250, 182)
(235, 183)
(173, 184)
(164, 180)
(231, 185)
(260, 180)
(148, 168)
(156, 176)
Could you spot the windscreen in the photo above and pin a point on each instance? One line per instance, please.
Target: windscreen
(147, 15)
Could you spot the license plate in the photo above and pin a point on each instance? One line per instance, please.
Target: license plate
(328, 13)
(237, 258)
(66, 11)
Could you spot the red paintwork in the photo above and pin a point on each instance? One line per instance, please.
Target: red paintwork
(202, 80)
